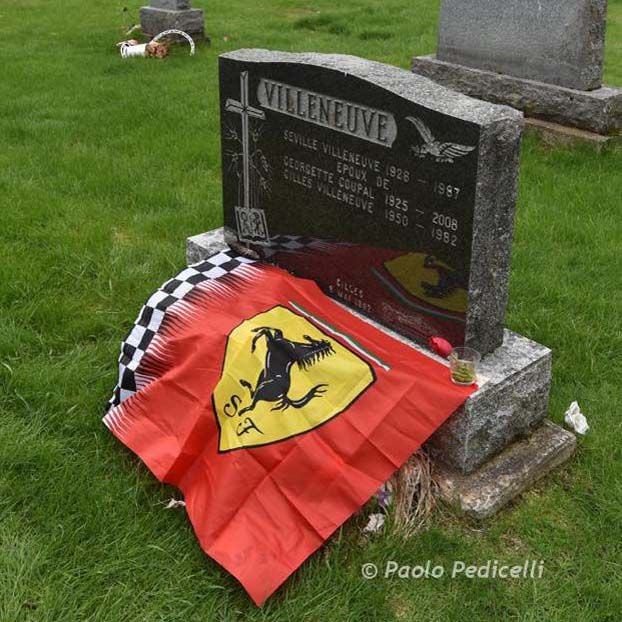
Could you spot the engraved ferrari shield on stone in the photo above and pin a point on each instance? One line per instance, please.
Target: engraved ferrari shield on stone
(283, 376)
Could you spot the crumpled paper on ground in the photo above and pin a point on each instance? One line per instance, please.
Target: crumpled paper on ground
(173, 504)
(375, 523)
(575, 419)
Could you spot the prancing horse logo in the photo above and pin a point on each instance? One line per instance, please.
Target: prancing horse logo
(274, 381)
(283, 376)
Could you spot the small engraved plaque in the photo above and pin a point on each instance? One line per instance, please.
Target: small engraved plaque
(252, 225)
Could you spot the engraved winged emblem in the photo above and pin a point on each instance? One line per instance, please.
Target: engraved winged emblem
(441, 152)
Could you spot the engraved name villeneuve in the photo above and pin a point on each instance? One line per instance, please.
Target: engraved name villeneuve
(370, 124)
(357, 180)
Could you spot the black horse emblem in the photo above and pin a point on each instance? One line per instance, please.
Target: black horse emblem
(448, 280)
(274, 382)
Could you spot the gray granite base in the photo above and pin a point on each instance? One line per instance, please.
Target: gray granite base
(154, 21)
(204, 245)
(509, 405)
(511, 402)
(555, 135)
(483, 493)
(598, 111)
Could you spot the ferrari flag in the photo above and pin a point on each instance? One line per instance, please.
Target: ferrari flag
(275, 411)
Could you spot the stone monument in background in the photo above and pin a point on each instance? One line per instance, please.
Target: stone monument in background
(397, 196)
(542, 57)
(163, 15)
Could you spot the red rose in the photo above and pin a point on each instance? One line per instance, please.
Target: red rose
(441, 346)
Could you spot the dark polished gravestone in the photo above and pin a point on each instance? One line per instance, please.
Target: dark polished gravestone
(396, 196)
(342, 170)
(163, 15)
(542, 57)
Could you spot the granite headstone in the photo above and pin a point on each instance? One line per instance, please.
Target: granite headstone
(555, 41)
(396, 195)
(314, 146)
(163, 15)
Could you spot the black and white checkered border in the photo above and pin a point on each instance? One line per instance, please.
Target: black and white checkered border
(288, 244)
(291, 242)
(296, 243)
(152, 314)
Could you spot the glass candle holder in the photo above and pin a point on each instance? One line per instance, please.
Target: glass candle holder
(463, 364)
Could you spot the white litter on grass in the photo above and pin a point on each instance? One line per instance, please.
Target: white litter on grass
(575, 419)
(181, 33)
(173, 504)
(129, 49)
(375, 523)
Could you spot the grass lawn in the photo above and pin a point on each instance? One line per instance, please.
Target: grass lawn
(105, 167)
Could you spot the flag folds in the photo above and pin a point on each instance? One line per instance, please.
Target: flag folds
(276, 412)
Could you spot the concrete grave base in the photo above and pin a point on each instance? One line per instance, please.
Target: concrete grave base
(154, 21)
(484, 492)
(510, 404)
(512, 401)
(204, 245)
(598, 111)
(555, 135)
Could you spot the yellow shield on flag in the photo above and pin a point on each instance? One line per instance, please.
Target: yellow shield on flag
(283, 376)
(412, 273)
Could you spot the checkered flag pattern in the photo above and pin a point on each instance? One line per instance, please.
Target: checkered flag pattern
(153, 312)
(291, 242)
(295, 244)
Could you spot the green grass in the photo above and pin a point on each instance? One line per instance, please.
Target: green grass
(105, 167)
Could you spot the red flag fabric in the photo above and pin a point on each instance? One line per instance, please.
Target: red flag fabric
(276, 412)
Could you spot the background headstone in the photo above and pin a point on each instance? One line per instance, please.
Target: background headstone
(555, 41)
(163, 15)
(396, 195)
(543, 57)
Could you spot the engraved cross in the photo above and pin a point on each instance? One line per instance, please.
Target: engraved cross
(244, 109)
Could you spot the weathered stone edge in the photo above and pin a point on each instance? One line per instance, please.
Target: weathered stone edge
(200, 247)
(493, 231)
(597, 20)
(483, 493)
(598, 111)
(556, 135)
